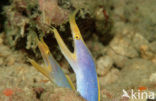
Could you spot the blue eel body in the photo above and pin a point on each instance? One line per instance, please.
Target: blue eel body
(80, 60)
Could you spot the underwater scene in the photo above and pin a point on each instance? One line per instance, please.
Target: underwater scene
(77, 50)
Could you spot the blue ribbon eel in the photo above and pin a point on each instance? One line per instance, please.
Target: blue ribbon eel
(81, 62)
(51, 69)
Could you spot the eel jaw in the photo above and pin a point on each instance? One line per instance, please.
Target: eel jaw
(52, 69)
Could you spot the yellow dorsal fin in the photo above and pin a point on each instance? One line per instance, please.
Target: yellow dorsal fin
(70, 82)
(39, 68)
(98, 90)
(45, 53)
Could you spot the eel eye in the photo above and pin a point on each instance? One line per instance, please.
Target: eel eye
(77, 37)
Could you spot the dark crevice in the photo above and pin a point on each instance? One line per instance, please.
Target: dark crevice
(106, 38)
(71, 70)
(119, 68)
(2, 17)
(151, 99)
(38, 91)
